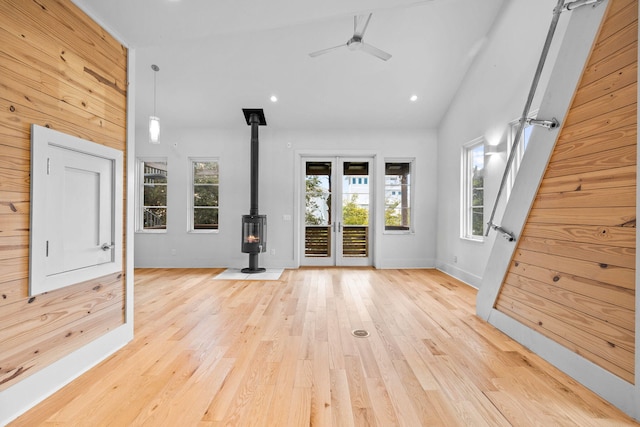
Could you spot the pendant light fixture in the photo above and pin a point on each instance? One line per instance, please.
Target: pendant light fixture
(154, 121)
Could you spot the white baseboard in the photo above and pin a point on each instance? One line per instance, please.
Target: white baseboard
(470, 279)
(23, 396)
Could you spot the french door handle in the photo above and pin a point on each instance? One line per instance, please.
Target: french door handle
(339, 227)
(106, 246)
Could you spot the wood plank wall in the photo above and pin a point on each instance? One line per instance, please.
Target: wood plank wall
(572, 277)
(58, 69)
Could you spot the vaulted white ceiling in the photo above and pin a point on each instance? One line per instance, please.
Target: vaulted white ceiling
(217, 57)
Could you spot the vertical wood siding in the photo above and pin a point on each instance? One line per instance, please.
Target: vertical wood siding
(61, 70)
(572, 277)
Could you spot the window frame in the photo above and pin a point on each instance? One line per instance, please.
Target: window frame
(140, 206)
(191, 195)
(466, 206)
(410, 229)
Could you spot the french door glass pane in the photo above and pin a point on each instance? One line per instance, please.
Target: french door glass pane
(355, 209)
(318, 209)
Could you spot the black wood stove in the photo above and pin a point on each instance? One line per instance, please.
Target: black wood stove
(254, 225)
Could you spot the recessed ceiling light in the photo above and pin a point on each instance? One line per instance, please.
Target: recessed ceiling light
(413, 98)
(274, 98)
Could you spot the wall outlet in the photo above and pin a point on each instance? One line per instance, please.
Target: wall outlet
(455, 258)
(272, 251)
(173, 252)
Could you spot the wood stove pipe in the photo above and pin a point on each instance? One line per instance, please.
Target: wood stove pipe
(254, 117)
(254, 121)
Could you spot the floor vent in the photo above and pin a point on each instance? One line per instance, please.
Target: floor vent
(360, 333)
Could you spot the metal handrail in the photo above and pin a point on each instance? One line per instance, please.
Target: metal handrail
(525, 113)
(524, 120)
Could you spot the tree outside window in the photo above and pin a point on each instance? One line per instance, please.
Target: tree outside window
(353, 213)
(318, 193)
(473, 191)
(205, 192)
(153, 206)
(477, 200)
(397, 192)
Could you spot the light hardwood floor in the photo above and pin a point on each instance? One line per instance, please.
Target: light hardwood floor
(280, 353)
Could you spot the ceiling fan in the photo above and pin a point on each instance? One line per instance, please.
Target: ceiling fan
(356, 43)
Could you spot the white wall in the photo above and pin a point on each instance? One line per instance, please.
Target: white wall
(280, 152)
(493, 94)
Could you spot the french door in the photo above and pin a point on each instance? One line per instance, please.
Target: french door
(337, 212)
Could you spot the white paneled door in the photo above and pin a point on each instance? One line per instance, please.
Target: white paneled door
(79, 224)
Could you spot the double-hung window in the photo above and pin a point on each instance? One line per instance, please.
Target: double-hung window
(397, 196)
(204, 194)
(473, 190)
(152, 195)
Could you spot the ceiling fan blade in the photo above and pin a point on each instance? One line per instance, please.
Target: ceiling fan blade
(323, 51)
(372, 50)
(366, 20)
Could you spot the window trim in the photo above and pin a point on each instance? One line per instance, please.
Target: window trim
(412, 192)
(466, 190)
(190, 195)
(140, 161)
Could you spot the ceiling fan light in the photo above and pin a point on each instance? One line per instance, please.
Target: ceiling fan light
(154, 130)
(354, 44)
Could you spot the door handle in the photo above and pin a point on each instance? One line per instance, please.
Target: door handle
(339, 227)
(106, 246)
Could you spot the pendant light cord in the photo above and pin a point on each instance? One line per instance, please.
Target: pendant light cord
(155, 69)
(154, 93)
